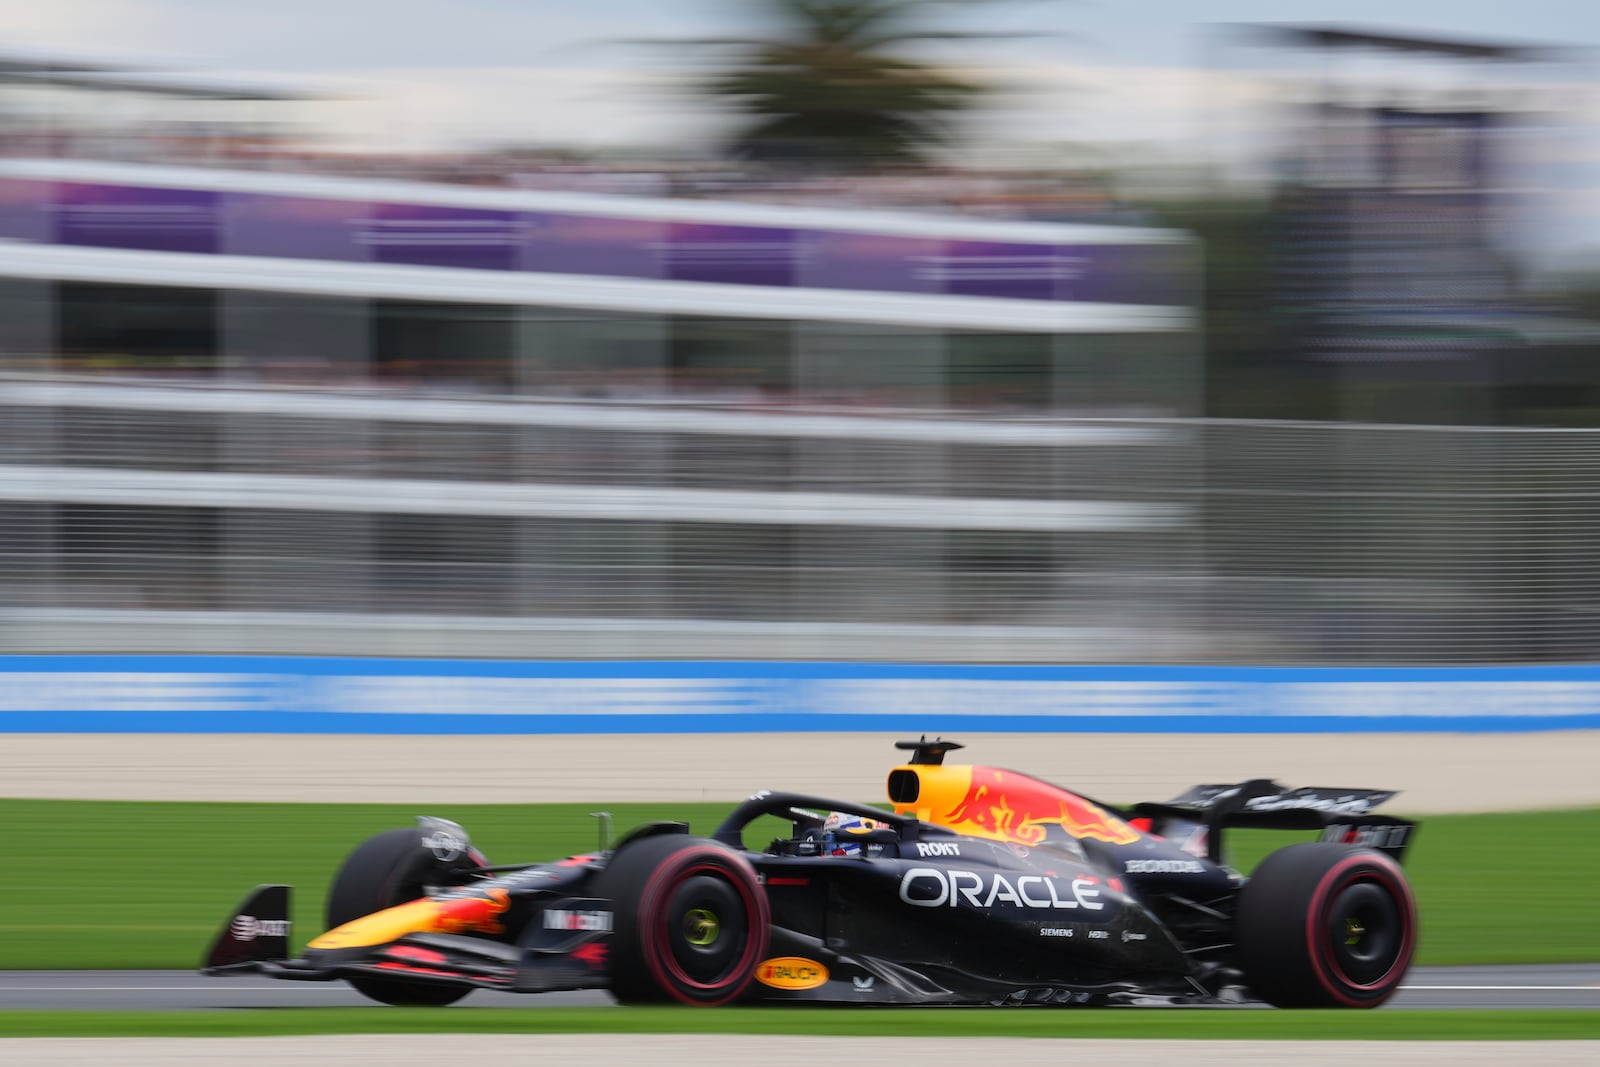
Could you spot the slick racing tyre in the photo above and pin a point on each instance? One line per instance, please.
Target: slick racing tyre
(388, 869)
(691, 921)
(1324, 926)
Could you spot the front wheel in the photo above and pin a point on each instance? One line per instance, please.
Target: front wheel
(691, 921)
(385, 870)
(1323, 925)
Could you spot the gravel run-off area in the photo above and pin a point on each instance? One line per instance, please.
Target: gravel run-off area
(1434, 772)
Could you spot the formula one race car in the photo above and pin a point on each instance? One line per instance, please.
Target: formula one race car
(982, 886)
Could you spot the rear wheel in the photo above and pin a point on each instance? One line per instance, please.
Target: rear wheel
(388, 869)
(691, 921)
(1323, 925)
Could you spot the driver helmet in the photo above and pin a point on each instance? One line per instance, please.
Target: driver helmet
(842, 833)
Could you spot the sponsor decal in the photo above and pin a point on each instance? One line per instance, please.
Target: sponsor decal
(1099, 935)
(935, 887)
(1055, 931)
(938, 848)
(559, 919)
(791, 972)
(248, 928)
(1164, 867)
(1367, 836)
(593, 953)
(1013, 807)
(1129, 935)
(1345, 805)
(447, 840)
(862, 985)
(446, 846)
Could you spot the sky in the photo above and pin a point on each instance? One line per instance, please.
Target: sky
(1083, 79)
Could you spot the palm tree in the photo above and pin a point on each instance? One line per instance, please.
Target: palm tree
(829, 88)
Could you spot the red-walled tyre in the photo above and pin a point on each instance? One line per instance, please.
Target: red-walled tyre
(1326, 926)
(691, 921)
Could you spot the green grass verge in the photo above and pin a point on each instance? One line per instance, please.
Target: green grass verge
(854, 1022)
(92, 884)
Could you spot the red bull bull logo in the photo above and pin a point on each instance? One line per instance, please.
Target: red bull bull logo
(593, 953)
(1008, 806)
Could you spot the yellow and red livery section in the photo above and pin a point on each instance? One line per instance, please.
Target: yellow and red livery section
(1001, 805)
(454, 914)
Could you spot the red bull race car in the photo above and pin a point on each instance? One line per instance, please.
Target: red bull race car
(980, 886)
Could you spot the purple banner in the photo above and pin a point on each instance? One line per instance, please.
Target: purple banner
(870, 261)
(1144, 274)
(25, 209)
(295, 227)
(594, 244)
(324, 229)
(736, 255)
(1018, 272)
(427, 235)
(128, 216)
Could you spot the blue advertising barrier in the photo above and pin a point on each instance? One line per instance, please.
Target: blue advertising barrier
(309, 695)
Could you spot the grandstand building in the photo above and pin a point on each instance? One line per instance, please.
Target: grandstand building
(248, 411)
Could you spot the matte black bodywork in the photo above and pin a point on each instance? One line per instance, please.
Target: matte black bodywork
(922, 915)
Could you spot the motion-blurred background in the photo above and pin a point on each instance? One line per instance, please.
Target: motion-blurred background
(988, 331)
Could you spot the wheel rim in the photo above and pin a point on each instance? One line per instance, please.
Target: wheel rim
(1365, 933)
(706, 929)
(701, 927)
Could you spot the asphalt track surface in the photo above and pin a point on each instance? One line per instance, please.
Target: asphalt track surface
(1458, 988)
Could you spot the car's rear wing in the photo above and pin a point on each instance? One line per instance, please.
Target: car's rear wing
(1342, 815)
